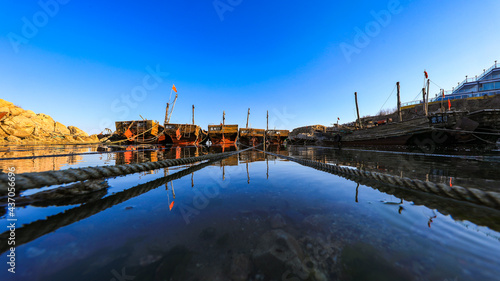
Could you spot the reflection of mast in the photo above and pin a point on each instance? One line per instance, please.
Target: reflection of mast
(357, 193)
(248, 175)
(267, 164)
(223, 173)
(192, 179)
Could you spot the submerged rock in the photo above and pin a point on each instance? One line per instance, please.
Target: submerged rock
(277, 221)
(278, 253)
(241, 267)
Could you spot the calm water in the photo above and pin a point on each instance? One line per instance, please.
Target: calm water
(253, 216)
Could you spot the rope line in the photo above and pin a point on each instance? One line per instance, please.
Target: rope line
(39, 228)
(472, 195)
(36, 180)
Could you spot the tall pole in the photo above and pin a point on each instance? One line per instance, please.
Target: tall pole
(223, 118)
(267, 120)
(193, 114)
(442, 100)
(248, 115)
(400, 115)
(427, 97)
(357, 109)
(423, 96)
(166, 114)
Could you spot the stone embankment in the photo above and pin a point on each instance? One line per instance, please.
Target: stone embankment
(19, 126)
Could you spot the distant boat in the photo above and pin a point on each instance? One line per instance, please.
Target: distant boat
(139, 131)
(251, 136)
(223, 134)
(183, 134)
(277, 137)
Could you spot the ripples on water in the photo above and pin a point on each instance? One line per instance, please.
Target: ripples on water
(256, 217)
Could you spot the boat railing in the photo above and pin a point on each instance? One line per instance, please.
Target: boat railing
(455, 97)
(474, 79)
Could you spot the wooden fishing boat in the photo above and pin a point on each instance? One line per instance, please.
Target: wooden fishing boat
(250, 136)
(185, 134)
(277, 137)
(139, 131)
(223, 134)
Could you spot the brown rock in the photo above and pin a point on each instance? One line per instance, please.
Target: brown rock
(5, 103)
(13, 139)
(77, 132)
(14, 111)
(60, 128)
(19, 126)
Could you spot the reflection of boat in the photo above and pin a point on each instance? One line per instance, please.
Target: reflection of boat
(223, 134)
(222, 148)
(277, 137)
(250, 136)
(139, 131)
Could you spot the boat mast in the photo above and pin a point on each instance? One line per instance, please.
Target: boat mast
(425, 106)
(267, 121)
(166, 114)
(193, 114)
(173, 105)
(248, 115)
(399, 104)
(357, 109)
(223, 118)
(427, 97)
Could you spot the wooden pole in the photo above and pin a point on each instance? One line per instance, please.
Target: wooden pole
(223, 118)
(423, 96)
(267, 120)
(400, 115)
(193, 114)
(357, 109)
(427, 97)
(248, 115)
(442, 100)
(166, 114)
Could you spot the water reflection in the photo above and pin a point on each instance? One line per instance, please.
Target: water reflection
(468, 171)
(253, 216)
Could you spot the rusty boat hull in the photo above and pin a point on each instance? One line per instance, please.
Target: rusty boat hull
(185, 134)
(277, 137)
(223, 134)
(250, 136)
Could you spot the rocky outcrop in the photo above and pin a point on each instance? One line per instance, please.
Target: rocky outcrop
(21, 126)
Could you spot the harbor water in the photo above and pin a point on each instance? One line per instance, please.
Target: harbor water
(251, 216)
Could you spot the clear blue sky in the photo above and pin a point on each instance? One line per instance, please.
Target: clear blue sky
(84, 56)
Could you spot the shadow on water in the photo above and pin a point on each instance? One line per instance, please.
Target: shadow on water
(253, 216)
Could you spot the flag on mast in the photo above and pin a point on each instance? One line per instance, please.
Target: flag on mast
(174, 88)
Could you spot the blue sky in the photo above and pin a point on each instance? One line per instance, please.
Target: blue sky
(85, 62)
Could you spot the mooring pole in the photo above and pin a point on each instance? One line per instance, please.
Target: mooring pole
(248, 115)
(223, 118)
(193, 114)
(425, 107)
(166, 114)
(400, 115)
(427, 97)
(357, 109)
(442, 100)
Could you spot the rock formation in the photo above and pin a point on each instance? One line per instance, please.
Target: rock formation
(19, 126)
